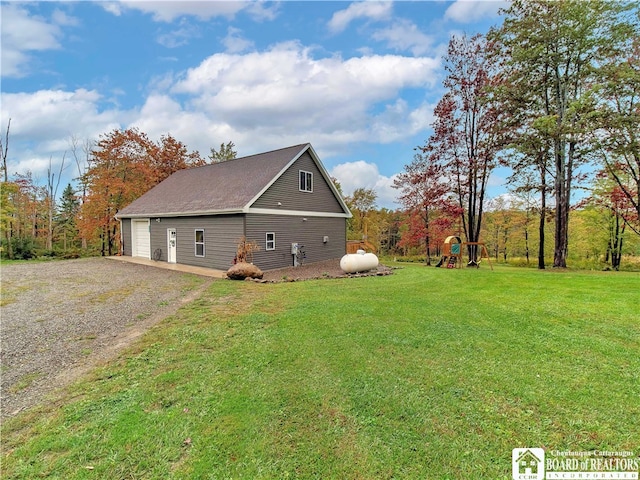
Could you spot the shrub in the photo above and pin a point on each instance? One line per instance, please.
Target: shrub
(23, 248)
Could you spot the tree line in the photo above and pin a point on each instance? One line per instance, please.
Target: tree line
(553, 94)
(112, 172)
(509, 231)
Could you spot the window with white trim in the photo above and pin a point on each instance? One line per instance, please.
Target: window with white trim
(306, 181)
(199, 242)
(270, 241)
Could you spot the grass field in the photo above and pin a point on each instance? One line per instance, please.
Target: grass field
(428, 373)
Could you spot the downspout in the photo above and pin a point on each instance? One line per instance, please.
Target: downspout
(121, 239)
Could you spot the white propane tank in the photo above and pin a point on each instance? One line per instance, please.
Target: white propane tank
(358, 262)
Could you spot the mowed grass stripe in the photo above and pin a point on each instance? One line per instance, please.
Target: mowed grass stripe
(428, 373)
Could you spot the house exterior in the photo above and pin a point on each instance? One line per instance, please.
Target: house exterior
(277, 199)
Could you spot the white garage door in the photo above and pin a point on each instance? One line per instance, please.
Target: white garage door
(140, 239)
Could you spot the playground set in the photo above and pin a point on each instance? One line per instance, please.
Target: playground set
(452, 252)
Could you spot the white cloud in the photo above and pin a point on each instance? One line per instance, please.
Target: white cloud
(361, 174)
(167, 11)
(48, 113)
(179, 36)
(112, 7)
(421, 118)
(61, 18)
(261, 10)
(52, 117)
(469, 11)
(23, 32)
(234, 42)
(398, 122)
(285, 91)
(35, 165)
(371, 10)
(288, 77)
(161, 114)
(285, 96)
(404, 35)
(163, 82)
(497, 178)
(259, 100)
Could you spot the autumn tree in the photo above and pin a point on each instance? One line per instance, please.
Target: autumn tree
(119, 171)
(171, 155)
(361, 202)
(412, 231)
(389, 232)
(551, 56)
(8, 191)
(530, 177)
(23, 208)
(226, 152)
(29, 213)
(465, 138)
(500, 226)
(616, 211)
(616, 136)
(124, 165)
(526, 203)
(424, 194)
(526, 151)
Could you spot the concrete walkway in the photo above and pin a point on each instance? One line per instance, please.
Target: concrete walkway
(205, 272)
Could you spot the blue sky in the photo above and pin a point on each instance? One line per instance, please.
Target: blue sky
(358, 80)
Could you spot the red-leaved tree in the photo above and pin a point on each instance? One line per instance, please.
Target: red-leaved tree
(424, 193)
(465, 139)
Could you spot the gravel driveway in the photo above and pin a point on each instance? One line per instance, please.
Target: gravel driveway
(61, 317)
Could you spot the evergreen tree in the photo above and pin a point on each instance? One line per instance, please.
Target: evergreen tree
(68, 210)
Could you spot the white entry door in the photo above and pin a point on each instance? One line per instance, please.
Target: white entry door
(171, 245)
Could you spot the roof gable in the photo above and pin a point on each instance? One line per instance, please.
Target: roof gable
(226, 187)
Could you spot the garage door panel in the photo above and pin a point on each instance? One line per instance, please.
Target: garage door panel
(141, 239)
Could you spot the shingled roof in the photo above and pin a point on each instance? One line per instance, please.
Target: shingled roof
(225, 187)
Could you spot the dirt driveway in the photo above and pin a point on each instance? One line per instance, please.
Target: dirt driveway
(61, 318)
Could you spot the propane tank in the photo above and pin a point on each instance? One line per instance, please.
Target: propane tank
(358, 262)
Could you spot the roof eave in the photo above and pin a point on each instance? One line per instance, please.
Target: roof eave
(194, 213)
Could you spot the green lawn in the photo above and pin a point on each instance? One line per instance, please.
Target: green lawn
(428, 373)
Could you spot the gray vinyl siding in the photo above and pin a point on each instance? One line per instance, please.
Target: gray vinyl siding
(293, 229)
(126, 237)
(286, 191)
(221, 234)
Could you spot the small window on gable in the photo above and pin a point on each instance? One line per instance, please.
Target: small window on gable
(306, 181)
(271, 241)
(199, 242)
